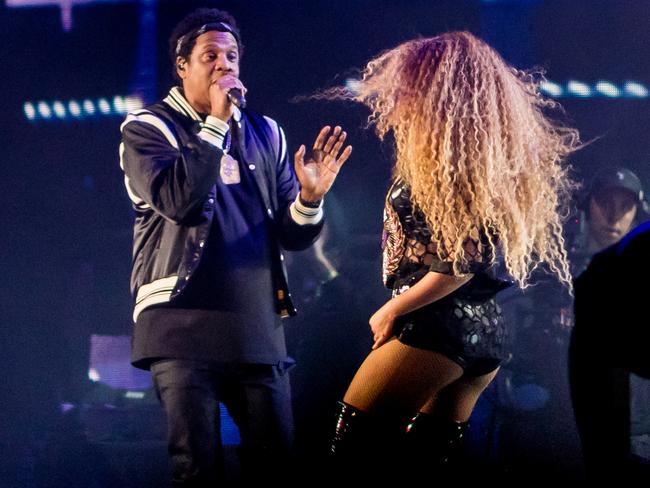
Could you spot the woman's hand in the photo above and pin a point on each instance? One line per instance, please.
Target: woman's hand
(433, 286)
(382, 323)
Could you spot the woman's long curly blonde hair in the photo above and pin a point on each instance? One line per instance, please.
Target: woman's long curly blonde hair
(475, 148)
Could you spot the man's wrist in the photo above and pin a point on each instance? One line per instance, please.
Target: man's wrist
(303, 215)
(310, 202)
(214, 131)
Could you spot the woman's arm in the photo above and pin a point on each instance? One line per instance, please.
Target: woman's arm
(433, 286)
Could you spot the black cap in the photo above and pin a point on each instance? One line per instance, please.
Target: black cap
(617, 177)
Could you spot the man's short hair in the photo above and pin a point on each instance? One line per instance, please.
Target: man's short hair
(183, 38)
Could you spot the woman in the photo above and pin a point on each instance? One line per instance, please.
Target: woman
(478, 176)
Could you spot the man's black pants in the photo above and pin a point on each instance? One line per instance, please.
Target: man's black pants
(257, 397)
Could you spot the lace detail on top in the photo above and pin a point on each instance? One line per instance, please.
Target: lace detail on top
(408, 251)
(392, 242)
(464, 325)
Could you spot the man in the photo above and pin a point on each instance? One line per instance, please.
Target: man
(609, 337)
(613, 205)
(609, 341)
(215, 202)
(610, 207)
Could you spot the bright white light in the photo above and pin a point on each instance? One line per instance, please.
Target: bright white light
(59, 109)
(608, 89)
(139, 395)
(551, 88)
(30, 111)
(634, 89)
(103, 105)
(89, 108)
(93, 375)
(353, 85)
(578, 88)
(119, 105)
(44, 110)
(133, 103)
(74, 108)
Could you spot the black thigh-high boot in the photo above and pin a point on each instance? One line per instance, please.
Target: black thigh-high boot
(366, 446)
(347, 447)
(434, 444)
(350, 432)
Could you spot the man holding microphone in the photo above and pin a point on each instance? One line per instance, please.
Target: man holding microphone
(216, 202)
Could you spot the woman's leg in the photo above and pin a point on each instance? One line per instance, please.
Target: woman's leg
(457, 401)
(388, 388)
(436, 434)
(397, 378)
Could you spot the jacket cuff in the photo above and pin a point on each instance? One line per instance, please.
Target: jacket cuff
(303, 215)
(214, 131)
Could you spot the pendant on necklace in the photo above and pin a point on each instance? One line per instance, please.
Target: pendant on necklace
(229, 170)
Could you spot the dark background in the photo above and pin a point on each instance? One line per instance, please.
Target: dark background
(66, 220)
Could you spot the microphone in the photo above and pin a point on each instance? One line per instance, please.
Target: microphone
(236, 96)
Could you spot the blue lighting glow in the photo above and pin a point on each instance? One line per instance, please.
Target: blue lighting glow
(608, 89)
(118, 105)
(570, 89)
(44, 110)
(89, 107)
(635, 90)
(599, 89)
(552, 89)
(578, 89)
(30, 111)
(59, 109)
(352, 85)
(103, 105)
(73, 109)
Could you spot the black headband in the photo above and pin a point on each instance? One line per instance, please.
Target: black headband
(214, 26)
